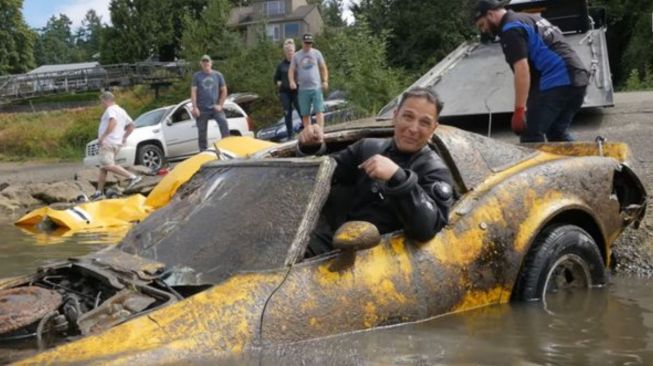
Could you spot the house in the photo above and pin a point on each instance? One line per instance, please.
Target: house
(279, 19)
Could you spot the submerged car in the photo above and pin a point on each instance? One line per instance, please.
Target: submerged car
(170, 133)
(223, 268)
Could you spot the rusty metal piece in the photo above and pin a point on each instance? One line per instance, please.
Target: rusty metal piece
(22, 306)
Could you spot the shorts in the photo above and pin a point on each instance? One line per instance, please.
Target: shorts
(108, 154)
(308, 98)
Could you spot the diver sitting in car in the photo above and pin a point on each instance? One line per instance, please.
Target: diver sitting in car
(396, 183)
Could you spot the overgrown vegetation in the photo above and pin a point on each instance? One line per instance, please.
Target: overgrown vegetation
(60, 134)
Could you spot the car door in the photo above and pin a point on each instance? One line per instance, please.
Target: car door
(180, 132)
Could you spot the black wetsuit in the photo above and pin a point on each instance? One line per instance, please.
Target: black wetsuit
(417, 198)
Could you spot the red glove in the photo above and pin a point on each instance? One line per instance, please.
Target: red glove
(518, 122)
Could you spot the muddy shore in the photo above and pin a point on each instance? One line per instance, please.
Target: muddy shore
(630, 121)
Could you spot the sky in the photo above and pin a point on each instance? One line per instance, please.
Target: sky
(37, 12)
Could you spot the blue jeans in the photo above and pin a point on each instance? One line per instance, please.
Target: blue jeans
(550, 113)
(288, 101)
(202, 122)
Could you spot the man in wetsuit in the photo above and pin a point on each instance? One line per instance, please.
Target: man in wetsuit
(398, 182)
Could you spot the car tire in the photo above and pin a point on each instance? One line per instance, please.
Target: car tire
(562, 257)
(150, 156)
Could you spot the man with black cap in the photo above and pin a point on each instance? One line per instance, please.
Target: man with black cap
(308, 72)
(550, 78)
(208, 93)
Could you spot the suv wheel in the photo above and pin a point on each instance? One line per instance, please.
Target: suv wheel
(563, 257)
(150, 156)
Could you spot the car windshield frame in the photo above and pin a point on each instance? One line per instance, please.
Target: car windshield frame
(218, 183)
(151, 118)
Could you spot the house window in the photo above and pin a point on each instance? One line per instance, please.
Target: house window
(276, 7)
(273, 31)
(291, 30)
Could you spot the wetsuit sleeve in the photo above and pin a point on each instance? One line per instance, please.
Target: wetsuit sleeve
(515, 45)
(422, 200)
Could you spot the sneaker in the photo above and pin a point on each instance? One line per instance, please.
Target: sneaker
(133, 181)
(96, 196)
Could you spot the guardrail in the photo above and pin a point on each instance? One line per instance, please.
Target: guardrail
(25, 86)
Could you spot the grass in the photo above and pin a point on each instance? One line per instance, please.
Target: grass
(60, 134)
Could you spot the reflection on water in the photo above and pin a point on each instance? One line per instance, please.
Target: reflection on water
(21, 251)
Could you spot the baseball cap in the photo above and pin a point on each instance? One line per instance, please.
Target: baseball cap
(483, 6)
(206, 58)
(307, 38)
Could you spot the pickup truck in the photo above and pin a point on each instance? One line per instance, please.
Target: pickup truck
(170, 133)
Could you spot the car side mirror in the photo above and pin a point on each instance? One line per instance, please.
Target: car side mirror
(168, 122)
(356, 235)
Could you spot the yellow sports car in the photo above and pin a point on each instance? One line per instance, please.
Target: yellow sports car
(222, 269)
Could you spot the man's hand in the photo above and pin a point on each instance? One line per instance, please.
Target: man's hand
(195, 112)
(379, 167)
(325, 85)
(311, 135)
(518, 123)
(293, 85)
(218, 108)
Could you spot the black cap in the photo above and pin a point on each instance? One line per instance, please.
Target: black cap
(307, 38)
(483, 6)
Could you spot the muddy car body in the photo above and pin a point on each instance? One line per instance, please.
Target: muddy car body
(202, 279)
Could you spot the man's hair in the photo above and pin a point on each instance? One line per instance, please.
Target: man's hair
(107, 96)
(425, 93)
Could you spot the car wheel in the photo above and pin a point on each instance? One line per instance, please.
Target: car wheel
(150, 156)
(563, 257)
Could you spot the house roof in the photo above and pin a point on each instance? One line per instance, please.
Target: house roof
(245, 15)
(64, 67)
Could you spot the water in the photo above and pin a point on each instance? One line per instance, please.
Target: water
(22, 252)
(608, 326)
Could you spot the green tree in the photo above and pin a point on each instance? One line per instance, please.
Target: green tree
(358, 65)
(420, 33)
(144, 29)
(209, 33)
(87, 37)
(16, 39)
(630, 44)
(55, 43)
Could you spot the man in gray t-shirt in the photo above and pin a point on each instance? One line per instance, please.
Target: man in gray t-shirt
(309, 73)
(208, 93)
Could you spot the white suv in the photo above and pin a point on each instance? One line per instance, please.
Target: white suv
(170, 133)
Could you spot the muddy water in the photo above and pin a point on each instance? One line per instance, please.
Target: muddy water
(608, 326)
(22, 253)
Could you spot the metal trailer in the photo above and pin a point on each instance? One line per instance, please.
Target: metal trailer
(475, 79)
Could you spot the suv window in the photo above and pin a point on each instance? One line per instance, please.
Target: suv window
(233, 113)
(180, 115)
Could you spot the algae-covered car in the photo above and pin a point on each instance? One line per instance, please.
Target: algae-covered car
(223, 269)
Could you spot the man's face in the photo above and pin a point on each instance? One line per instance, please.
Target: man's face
(414, 124)
(289, 52)
(487, 24)
(206, 65)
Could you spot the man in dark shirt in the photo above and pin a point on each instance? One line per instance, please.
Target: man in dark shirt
(399, 182)
(287, 96)
(550, 78)
(208, 93)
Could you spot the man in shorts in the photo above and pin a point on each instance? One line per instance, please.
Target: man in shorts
(308, 73)
(115, 127)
